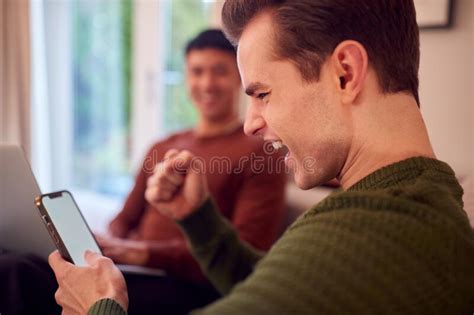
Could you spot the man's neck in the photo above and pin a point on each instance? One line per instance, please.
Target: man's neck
(207, 128)
(387, 132)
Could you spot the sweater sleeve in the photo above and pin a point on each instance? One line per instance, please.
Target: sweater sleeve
(106, 307)
(359, 261)
(222, 256)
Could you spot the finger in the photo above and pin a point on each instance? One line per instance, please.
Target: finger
(92, 257)
(173, 174)
(176, 162)
(156, 194)
(172, 177)
(164, 195)
(58, 264)
(166, 184)
(167, 174)
(181, 162)
(170, 153)
(59, 296)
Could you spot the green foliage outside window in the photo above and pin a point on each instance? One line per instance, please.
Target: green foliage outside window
(101, 48)
(187, 19)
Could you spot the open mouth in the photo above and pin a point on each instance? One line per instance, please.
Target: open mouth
(277, 145)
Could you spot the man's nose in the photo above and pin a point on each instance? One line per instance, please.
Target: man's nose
(207, 81)
(254, 122)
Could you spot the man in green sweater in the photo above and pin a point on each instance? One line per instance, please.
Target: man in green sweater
(336, 82)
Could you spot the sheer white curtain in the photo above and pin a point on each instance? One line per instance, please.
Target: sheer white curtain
(51, 121)
(15, 73)
(148, 65)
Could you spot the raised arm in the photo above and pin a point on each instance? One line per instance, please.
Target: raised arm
(216, 246)
(178, 189)
(256, 219)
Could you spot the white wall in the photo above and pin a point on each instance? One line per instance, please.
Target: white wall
(446, 88)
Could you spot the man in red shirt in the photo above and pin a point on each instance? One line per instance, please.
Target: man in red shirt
(245, 178)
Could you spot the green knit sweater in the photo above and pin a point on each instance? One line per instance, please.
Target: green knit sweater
(397, 242)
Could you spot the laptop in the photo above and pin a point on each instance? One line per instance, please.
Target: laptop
(21, 228)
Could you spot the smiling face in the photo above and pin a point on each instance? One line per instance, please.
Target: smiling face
(213, 83)
(307, 117)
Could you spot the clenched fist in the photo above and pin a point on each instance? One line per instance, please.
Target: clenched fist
(178, 186)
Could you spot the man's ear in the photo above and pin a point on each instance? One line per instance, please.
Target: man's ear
(350, 62)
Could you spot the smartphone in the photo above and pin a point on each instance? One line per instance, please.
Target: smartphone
(66, 226)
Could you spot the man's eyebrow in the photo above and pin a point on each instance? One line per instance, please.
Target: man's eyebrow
(252, 87)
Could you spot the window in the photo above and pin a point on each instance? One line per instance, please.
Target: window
(101, 75)
(186, 19)
(83, 91)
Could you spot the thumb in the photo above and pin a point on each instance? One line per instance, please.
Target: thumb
(170, 154)
(58, 264)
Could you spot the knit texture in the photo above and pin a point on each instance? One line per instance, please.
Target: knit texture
(106, 306)
(397, 242)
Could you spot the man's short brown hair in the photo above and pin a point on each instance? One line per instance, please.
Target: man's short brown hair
(308, 31)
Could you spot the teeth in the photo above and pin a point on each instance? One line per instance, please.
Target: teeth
(277, 145)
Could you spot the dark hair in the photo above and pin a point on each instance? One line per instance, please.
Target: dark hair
(212, 38)
(308, 31)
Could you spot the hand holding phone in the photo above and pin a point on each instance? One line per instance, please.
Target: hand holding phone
(80, 287)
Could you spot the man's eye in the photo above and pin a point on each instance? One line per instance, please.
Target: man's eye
(261, 96)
